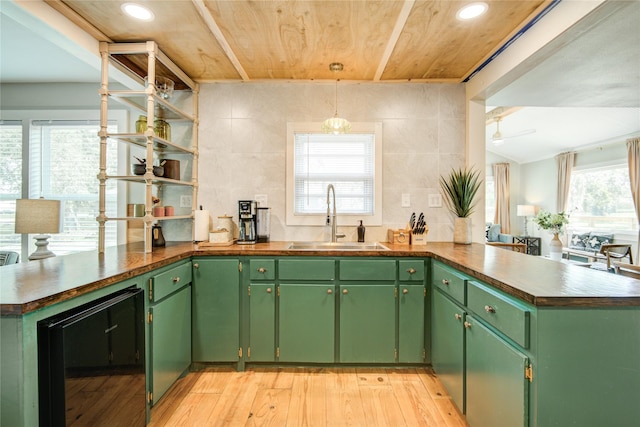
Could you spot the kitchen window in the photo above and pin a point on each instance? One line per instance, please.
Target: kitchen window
(10, 182)
(351, 162)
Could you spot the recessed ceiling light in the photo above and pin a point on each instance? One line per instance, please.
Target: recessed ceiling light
(136, 11)
(472, 10)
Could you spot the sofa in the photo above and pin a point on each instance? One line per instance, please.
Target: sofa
(493, 234)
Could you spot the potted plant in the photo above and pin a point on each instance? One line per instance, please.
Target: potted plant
(459, 190)
(554, 223)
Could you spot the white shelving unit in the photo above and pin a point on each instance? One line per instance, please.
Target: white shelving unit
(140, 60)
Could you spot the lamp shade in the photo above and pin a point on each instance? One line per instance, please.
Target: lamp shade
(525, 210)
(37, 216)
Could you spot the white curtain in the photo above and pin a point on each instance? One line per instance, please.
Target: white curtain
(633, 148)
(565, 167)
(502, 215)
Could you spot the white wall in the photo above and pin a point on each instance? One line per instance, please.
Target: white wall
(243, 145)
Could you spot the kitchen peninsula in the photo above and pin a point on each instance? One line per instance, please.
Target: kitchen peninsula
(573, 331)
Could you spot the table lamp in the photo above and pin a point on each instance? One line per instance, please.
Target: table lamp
(525, 211)
(40, 217)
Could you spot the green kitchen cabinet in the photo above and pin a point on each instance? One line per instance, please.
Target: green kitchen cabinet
(216, 309)
(411, 311)
(306, 322)
(497, 391)
(367, 323)
(262, 322)
(169, 327)
(447, 356)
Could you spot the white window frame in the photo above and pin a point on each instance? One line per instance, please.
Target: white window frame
(320, 219)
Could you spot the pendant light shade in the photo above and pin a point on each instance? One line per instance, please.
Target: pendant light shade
(336, 125)
(497, 138)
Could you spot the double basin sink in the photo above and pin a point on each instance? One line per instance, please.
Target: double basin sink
(336, 246)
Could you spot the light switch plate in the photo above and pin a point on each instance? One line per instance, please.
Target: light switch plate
(406, 200)
(435, 201)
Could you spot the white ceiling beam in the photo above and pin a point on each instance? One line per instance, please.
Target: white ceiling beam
(217, 33)
(393, 39)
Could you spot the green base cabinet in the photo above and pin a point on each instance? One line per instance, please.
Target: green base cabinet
(216, 310)
(496, 388)
(367, 323)
(262, 322)
(170, 339)
(306, 323)
(447, 354)
(411, 325)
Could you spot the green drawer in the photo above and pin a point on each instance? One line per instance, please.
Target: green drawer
(449, 281)
(306, 269)
(170, 281)
(369, 270)
(506, 315)
(262, 269)
(411, 270)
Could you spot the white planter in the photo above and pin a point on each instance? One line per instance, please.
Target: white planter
(462, 231)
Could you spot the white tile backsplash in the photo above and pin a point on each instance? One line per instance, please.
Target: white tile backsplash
(242, 146)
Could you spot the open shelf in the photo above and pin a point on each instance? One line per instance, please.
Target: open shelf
(160, 145)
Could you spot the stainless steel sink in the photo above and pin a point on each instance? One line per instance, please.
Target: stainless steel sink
(337, 246)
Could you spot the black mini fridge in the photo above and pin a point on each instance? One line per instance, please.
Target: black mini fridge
(91, 363)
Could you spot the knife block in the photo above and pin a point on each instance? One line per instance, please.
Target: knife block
(419, 239)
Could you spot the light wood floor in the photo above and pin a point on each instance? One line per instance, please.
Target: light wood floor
(307, 397)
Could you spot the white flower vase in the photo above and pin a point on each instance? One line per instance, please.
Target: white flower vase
(555, 248)
(462, 230)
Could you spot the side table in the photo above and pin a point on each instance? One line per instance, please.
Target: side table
(532, 243)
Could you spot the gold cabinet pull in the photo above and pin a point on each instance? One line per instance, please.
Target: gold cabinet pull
(345, 291)
(405, 291)
(329, 291)
(176, 279)
(196, 265)
(467, 325)
(262, 270)
(411, 271)
(445, 282)
(458, 316)
(489, 309)
(268, 290)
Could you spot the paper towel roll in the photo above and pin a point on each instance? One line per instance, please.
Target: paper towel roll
(201, 226)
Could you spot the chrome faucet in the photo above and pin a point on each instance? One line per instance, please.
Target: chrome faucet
(331, 216)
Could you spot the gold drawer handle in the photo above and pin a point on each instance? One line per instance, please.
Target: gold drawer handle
(176, 279)
(344, 291)
(467, 325)
(411, 271)
(329, 291)
(489, 309)
(445, 282)
(262, 270)
(405, 291)
(457, 316)
(268, 290)
(196, 266)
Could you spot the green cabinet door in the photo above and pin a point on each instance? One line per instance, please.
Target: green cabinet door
(216, 310)
(447, 345)
(306, 323)
(367, 323)
(262, 323)
(497, 391)
(170, 340)
(411, 323)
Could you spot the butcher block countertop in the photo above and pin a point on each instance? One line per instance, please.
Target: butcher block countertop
(539, 281)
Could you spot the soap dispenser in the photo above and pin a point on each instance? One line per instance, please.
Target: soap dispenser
(361, 232)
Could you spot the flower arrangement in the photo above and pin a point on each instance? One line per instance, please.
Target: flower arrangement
(552, 222)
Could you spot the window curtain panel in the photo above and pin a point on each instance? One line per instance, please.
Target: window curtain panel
(502, 215)
(565, 166)
(633, 148)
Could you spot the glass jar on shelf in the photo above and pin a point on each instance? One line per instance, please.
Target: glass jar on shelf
(141, 124)
(162, 129)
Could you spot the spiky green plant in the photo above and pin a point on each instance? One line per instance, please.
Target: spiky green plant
(459, 191)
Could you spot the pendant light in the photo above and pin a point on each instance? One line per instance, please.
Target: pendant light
(497, 138)
(336, 125)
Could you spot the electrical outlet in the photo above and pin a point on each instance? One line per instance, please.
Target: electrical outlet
(406, 200)
(261, 199)
(435, 201)
(185, 201)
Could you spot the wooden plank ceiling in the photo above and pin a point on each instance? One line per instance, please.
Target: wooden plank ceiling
(297, 40)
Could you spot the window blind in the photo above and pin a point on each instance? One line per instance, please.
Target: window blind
(346, 161)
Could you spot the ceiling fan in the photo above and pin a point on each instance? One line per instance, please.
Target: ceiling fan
(498, 138)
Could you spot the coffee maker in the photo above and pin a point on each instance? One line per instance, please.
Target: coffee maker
(247, 211)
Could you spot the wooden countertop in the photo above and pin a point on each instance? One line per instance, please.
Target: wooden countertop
(29, 286)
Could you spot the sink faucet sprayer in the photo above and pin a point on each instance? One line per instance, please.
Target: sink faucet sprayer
(331, 216)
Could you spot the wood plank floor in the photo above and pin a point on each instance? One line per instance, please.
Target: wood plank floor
(307, 397)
